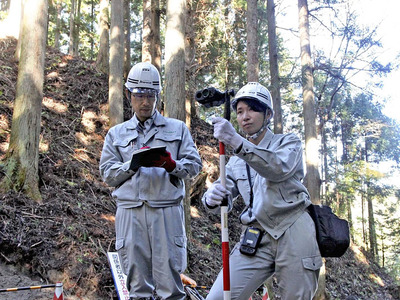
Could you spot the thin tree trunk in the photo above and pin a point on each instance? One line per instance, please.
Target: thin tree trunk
(312, 177)
(77, 23)
(91, 29)
(252, 41)
(147, 33)
(102, 62)
(311, 143)
(189, 63)
(57, 32)
(71, 28)
(127, 36)
(274, 68)
(155, 25)
(175, 60)
(22, 160)
(189, 103)
(371, 228)
(115, 100)
(371, 219)
(175, 76)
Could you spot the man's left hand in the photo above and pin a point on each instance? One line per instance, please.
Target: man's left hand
(224, 132)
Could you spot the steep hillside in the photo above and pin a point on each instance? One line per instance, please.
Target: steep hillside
(66, 238)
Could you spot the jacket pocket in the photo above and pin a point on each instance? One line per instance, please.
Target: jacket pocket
(119, 244)
(312, 263)
(120, 247)
(180, 253)
(124, 147)
(168, 137)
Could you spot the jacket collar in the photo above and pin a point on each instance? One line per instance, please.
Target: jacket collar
(266, 139)
(158, 120)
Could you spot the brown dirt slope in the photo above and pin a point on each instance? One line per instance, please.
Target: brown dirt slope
(66, 238)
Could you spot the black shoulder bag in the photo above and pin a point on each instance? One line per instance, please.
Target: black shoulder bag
(333, 235)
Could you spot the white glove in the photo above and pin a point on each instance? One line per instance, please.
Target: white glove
(215, 194)
(224, 132)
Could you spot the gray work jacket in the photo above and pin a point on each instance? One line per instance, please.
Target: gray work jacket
(153, 185)
(276, 174)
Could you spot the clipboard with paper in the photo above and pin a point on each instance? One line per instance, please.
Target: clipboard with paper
(139, 157)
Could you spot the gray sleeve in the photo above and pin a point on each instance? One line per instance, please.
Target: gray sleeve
(113, 169)
(280, 161)
(188, 161)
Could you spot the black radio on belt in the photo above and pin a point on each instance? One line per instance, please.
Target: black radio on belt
(251, 240)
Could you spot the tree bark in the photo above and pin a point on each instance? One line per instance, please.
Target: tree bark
(71, 28)
(116, 97)
(311, 143)
(57, 31)
(175, 76)
(127, 37)
(252, 41)
(189, 63)
(102, 62)
(156, 43)
(22, 159)
(147, 34)
(371, 219)
(312, 180)
(274, 67)
(175, 60)
(77, 23)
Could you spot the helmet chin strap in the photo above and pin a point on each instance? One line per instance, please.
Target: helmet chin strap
(257, 134)
(254, 136)
(154, 107)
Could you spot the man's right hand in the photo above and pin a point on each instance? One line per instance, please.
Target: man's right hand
(215, 194)
(136, 161)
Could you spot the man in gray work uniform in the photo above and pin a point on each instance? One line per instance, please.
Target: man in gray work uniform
(149, 222)
(266, 170)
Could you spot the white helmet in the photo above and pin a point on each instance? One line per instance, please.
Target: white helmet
(143, 76)
(255, 91)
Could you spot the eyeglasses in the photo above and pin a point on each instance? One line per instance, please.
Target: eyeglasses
(142, 97)
(141, 94)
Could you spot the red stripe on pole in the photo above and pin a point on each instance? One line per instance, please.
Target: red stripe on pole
(225, 265)
(221, 148)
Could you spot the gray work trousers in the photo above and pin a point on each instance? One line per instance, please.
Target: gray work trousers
(294, 258)
(151, 243)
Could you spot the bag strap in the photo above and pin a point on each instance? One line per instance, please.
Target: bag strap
(251, 190)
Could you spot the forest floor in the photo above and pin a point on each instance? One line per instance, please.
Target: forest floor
(67, 236)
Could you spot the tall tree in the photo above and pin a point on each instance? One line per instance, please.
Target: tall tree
(190, 62)
(76, 29)
(175, 60)
(310, 130)
(190, 102)
(273, 67)
(115, 97)
(102, 62)
(127, 37)
(72, 28)
(147, 33)
(57, 30)
(22, 159)
(252, 41)
(175, 76)
(311, 148)
(156, 43)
